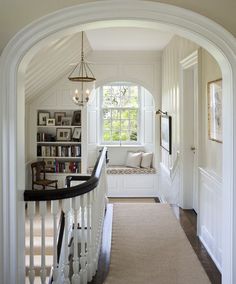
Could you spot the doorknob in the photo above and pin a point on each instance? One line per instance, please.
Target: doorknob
(193, 148)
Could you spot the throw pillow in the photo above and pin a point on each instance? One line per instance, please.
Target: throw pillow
(133, 159)
(146, 161)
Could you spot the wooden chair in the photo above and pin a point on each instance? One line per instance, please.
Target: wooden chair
(39, 176)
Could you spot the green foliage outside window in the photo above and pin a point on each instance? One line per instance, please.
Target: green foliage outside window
(120, 113)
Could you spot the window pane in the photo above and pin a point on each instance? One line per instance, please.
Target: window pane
(133, 124)
(120, 112)
(115, 96)
(124, 136)
(133, 101)
(125, 114)
(124, 124)
(133, 114)
(116, 114)
(106, 136)
(106, 114)
(116, 136)
(134, 91)
(116, 125)
(106, 124)
(133, 136)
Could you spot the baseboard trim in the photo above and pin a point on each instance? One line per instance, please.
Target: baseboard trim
(210, 253)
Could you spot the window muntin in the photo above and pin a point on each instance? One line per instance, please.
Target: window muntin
(120, 113)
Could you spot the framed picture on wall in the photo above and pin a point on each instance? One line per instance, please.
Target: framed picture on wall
(214, 96)
(165, 134)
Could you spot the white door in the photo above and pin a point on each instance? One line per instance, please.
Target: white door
(195, 148)
(189, 134)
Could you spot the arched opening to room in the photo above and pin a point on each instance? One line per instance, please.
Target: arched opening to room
(16, 147)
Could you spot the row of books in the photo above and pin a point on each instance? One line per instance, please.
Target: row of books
(63, 167)
(59, 151)
(45, 137)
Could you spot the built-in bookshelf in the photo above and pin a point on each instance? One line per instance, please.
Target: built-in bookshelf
(59, 140)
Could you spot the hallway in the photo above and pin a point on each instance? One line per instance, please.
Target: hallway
(187, 219)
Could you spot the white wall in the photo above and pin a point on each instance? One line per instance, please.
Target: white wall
(143, 68)
(176, 50)
(210, 156)
(210, 173)
(212, 151)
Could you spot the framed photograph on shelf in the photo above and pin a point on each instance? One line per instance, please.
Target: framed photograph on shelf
(42, 117)
(165, 134)
(214, 94)
(50, 122)
(76, 134)
(58, 117)
(76, 118)
(63, 134)
(66, 121)
(49, 165)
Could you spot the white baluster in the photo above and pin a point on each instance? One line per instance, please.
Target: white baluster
(94, 231)
(76, 207)
(42, 212)
(89, 246)
(66, 209)
(31, 214)
(83, 258)
(54, 211)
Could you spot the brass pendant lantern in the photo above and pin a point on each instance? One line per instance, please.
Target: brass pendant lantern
(84, 77)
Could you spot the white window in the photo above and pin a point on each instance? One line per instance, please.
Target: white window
(120, 113)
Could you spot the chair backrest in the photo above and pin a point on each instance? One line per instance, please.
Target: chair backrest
(37, 169)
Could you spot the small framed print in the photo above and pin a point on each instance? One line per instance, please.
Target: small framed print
(58, 117)
(77, 118)
(50, 121)
(66, 121)
(166, 133)
(214, 90)
(42, 117)
(63, 134)
(77, 134)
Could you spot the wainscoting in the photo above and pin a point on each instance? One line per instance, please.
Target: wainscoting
(210, 214)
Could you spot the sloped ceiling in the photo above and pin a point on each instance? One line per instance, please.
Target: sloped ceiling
(52, 63)
(57, 59)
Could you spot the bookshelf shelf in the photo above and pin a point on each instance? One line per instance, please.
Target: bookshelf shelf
(59, 145)
(58, 158)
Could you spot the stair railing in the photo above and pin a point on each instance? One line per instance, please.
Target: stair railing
(83, 206)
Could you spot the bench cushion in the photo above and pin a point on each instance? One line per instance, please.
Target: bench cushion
(121, 170)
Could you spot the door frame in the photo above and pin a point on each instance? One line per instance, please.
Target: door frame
(19, 51)
(189, 64)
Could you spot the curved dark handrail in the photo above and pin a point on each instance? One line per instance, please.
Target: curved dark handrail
(63, 193)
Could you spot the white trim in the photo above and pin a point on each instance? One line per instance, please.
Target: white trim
(15, 57)
(185, 64)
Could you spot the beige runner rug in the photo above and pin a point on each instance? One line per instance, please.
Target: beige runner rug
(149, 246)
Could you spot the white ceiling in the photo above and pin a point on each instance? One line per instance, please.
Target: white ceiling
(54, 61)
(128, 39)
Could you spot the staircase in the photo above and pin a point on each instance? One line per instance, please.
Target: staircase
(37, 245)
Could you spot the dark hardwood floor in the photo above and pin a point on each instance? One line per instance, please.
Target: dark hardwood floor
(188, 221)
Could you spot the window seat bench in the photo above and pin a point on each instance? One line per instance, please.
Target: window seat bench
(124, 181)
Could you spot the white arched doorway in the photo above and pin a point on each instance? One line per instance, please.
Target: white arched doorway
(23, 46)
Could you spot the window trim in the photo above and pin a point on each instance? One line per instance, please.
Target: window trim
(120, 142)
